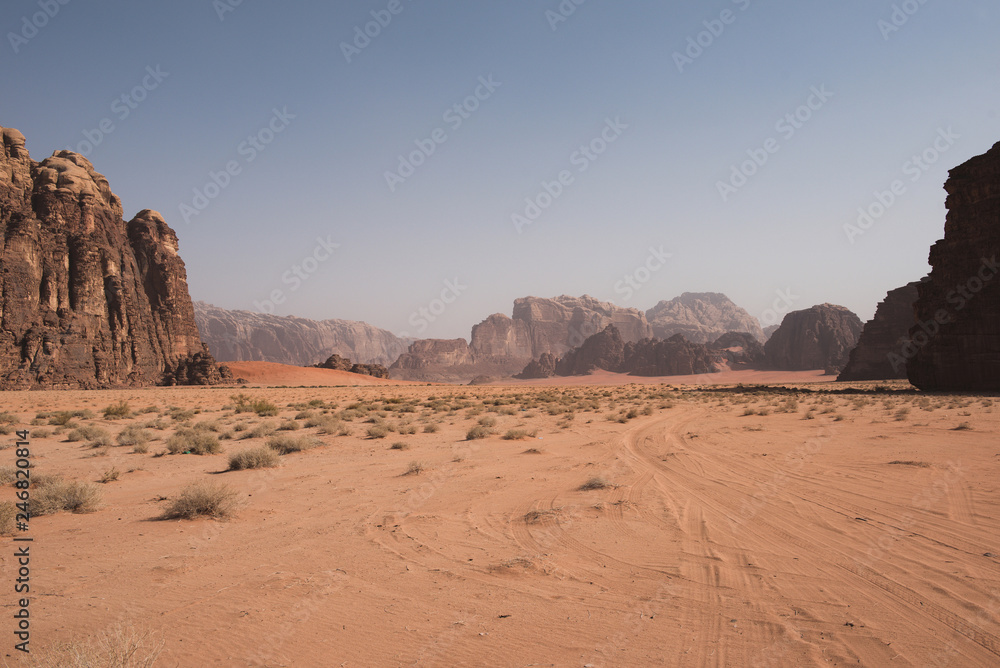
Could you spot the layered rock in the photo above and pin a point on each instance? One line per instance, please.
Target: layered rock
(86, 299)
(338, 363)
(543, 367)
(237, 336)
(955, 342)
(883, 339)
(820, 337)
(501, 346)
(675, 356)
(701, 317)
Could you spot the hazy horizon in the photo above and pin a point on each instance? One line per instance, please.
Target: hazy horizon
(693, 148)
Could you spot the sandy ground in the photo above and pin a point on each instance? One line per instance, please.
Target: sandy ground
(733, 531)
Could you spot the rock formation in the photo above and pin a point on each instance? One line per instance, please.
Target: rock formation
(955, 341)
(86, 299)
(769, 330)
(820, 337)
(338, 363)
(604, 350)
(701, 317)
(878, 353)
(502, 345)
(235, 336)
(543, 367)
(740, 349)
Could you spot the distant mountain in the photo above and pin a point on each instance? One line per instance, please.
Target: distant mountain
(820, 337)
(502, 345)
(238, 336)
(702, 317)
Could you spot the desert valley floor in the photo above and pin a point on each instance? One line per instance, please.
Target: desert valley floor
(601, 525)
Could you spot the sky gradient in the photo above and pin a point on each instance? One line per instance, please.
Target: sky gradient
(668, 147)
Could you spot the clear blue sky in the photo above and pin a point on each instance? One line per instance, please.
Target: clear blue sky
(656, 185)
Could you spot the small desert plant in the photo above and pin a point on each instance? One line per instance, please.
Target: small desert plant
(377, 431)
(407, 429)
(285, 443)
(595, 482)
(902, 413)
(518, 434)
(118, 411)
(254, 458)
(414, 469)
(87, 433)
(431, 428)
(488, 421)
(140, 448)
(122, 646)
(259, 431)
(132, 435)
(399, 445)
(8, 511)
(202, 498)
(478, 432)
(289, 425)
(110, 475)
(57, 495)
(195, 442)
(964, 426)
(243, 403)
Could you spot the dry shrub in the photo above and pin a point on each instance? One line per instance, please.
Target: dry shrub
(122, 646)
(193, 441)
(7, 513)
(132, 435)
(210, 499)
(478, 432)
(118, 411)
(285, 443)
(596, 482)
(254, 458)
(55, 495)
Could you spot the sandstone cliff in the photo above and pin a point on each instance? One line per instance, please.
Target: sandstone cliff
(701, 317)
(237, 336)
(86, 299)
(956, 338)
(820, 337)
(878, 355)
(338, 363)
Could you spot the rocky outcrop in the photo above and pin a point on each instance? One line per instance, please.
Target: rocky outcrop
(820, 337)
(237, 336)
(338, 363)
(543, 367)
(955, 341)
(86, 299)
(739, 349)
(675, 356)
(883, 338)
(769, 330)
(701, 317)
(604, 350)
(501, 346)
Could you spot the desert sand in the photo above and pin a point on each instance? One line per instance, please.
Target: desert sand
(722, 528)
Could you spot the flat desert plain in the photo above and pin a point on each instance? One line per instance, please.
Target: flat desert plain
(585, 525)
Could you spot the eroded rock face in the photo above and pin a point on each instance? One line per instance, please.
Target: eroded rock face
(604, 350)
(236, 336)
(878, 355)
(501, 346)
(86, 299)
(543, 367)
(956, 338)
(740, 349)
(820, 337)
(701, 317)
(675, 356)
(338, 363)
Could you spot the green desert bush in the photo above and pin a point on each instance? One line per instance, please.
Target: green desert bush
(193, 441)
(202, 498)
(254, 458)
